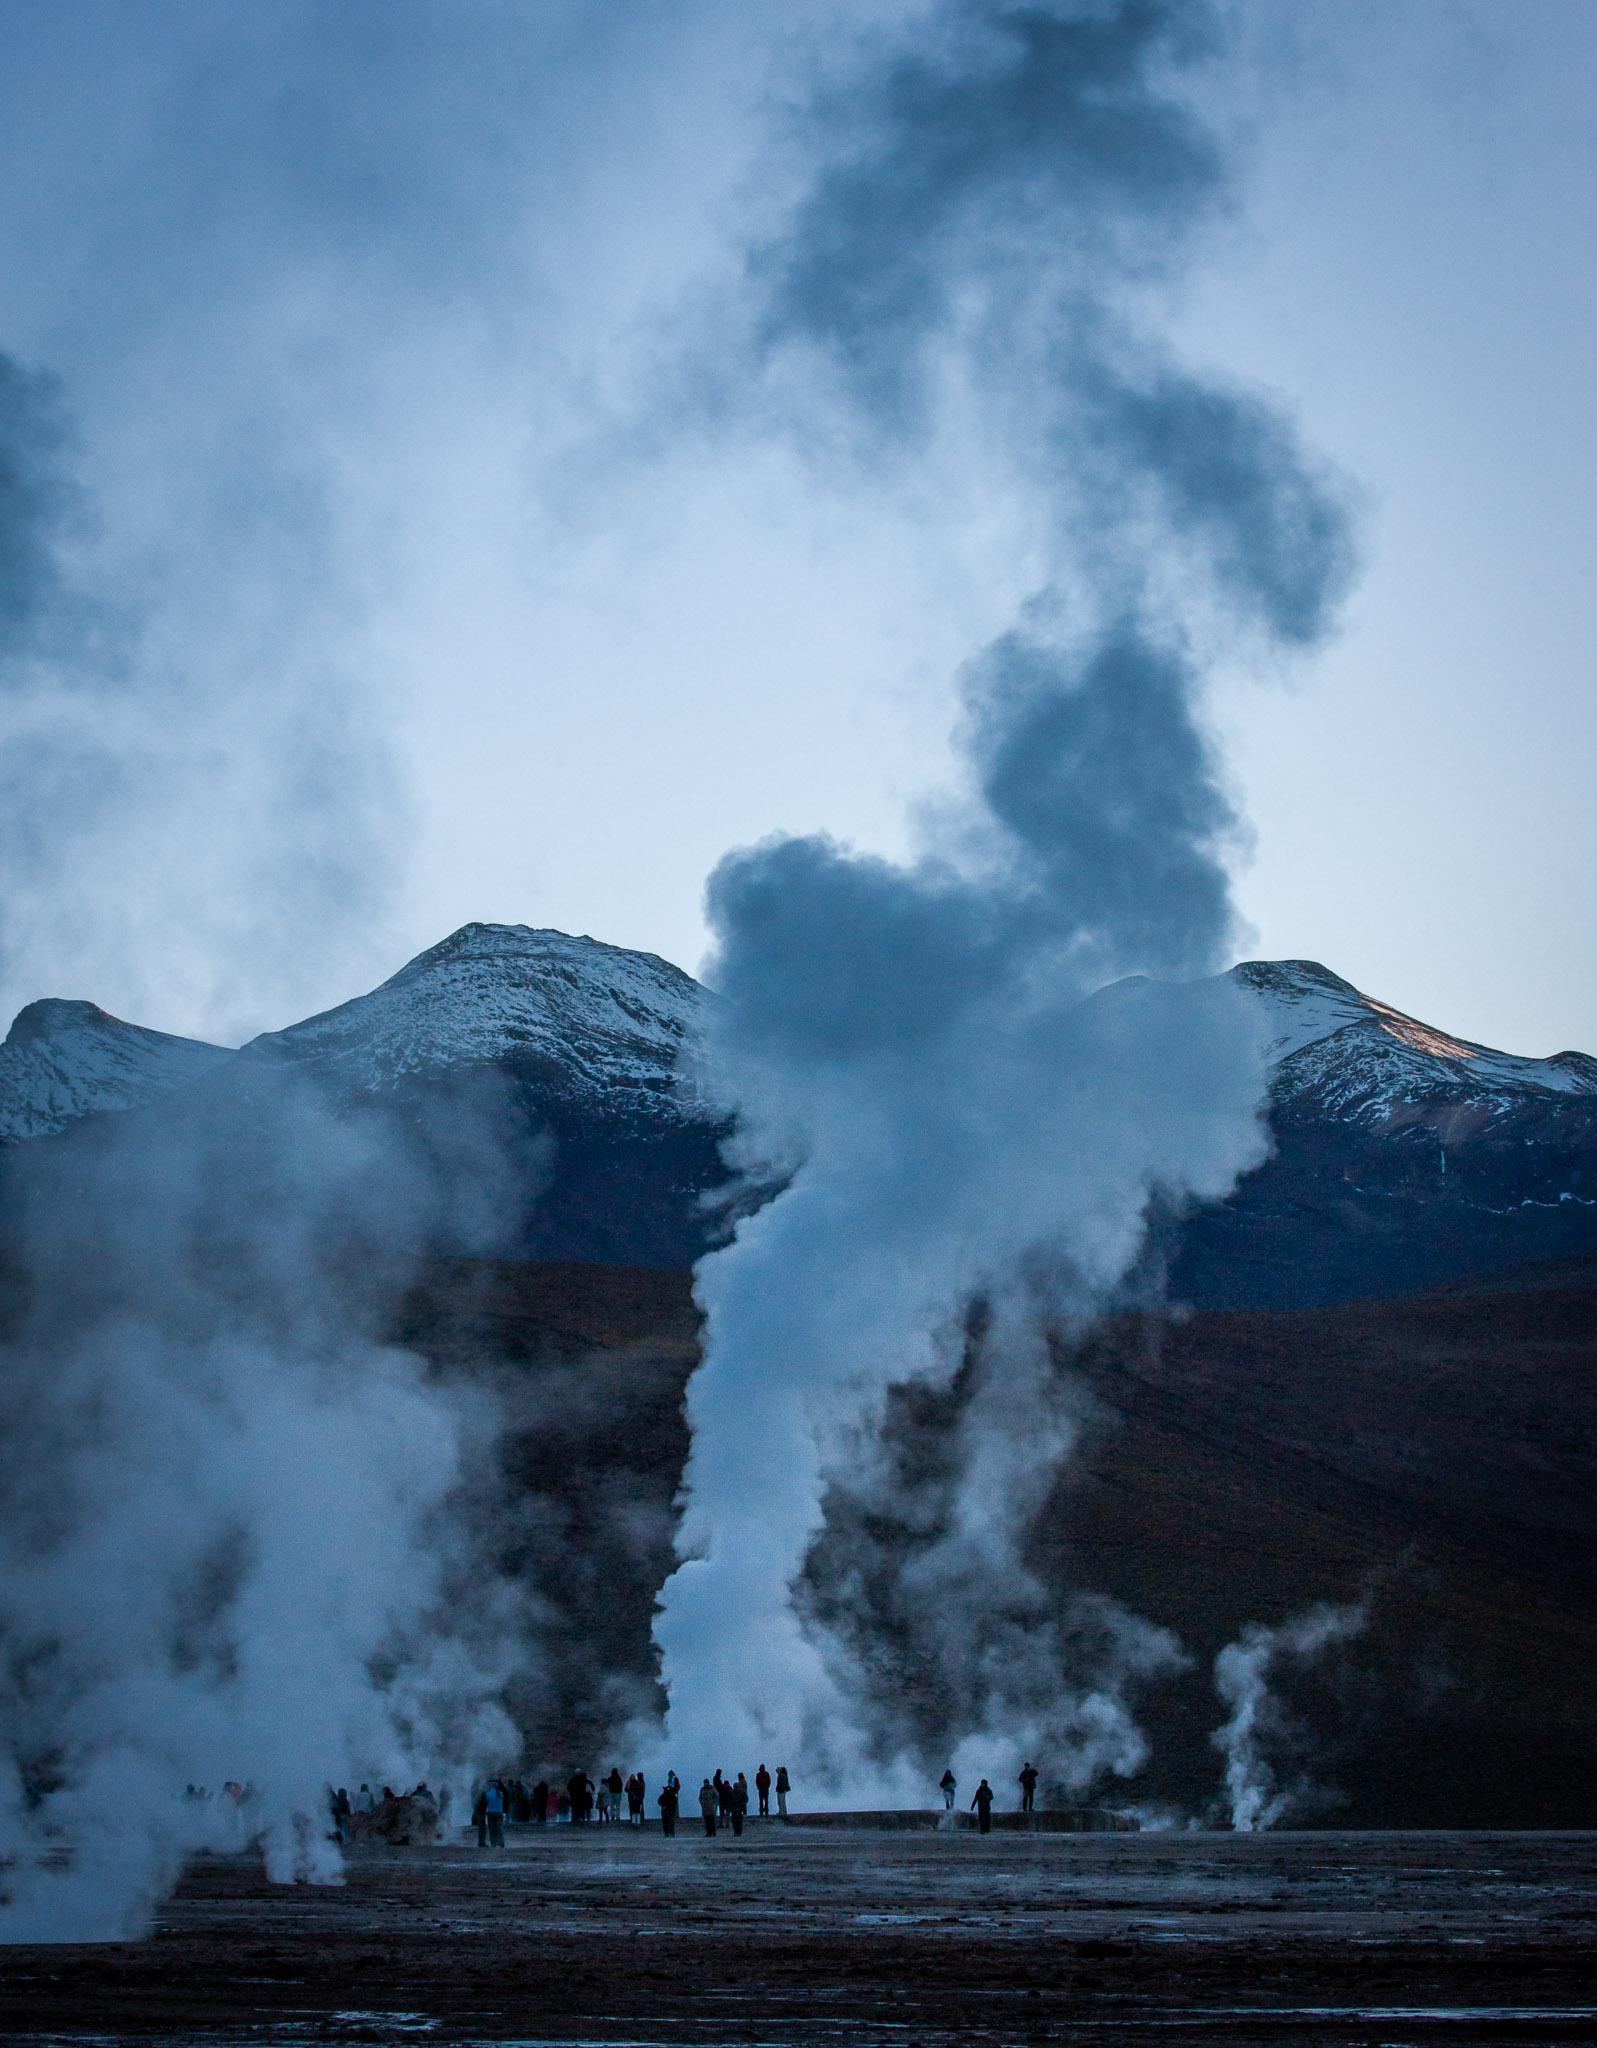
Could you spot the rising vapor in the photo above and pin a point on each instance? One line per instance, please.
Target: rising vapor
(1000, 199)
(232, 1539)
(1258, 1724)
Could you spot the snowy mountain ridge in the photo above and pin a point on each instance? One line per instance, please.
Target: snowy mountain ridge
(602, 1025)
(598, 1018)
(64, 1060)
(1357, 1059)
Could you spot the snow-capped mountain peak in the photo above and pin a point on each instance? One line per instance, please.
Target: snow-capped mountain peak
(64, 1060)
(1361, 1058)
(600, 1017)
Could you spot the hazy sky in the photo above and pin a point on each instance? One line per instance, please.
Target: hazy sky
(410, 567)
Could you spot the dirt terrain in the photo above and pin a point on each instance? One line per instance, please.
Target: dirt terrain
(815, 1936)
(1434, 1454)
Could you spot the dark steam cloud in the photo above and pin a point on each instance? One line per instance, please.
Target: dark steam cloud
(193, 804)
(32, 499)
(999, 201)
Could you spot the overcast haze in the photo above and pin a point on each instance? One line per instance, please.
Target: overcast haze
(404, 575)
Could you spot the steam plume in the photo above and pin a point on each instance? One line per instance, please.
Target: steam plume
(997, 201)
(1242, 1677)
(228, 1547)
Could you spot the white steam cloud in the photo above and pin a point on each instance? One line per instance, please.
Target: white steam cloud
(229, 1539)
(1259, 1722)
(997, 201)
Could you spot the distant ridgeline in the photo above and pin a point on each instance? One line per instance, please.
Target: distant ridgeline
(557, 1075)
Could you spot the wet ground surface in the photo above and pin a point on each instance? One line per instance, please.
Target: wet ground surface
(808, 1936)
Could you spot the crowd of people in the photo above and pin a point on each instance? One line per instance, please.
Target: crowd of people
(723, 1802)
(613, 1800)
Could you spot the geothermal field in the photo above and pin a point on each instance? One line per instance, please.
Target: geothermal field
(1042, 549)
(803, 1935)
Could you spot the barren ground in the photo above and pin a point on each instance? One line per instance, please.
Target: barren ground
(886, 1940)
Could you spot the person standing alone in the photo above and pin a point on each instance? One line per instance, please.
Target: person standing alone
(948, 1786)
(783, 1787)
(1028, 1787)
(762, 1785)
(983, 1803)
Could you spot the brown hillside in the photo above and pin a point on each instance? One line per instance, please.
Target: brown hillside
(1436, 1450)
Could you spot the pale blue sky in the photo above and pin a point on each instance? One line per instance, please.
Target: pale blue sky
(398, 617)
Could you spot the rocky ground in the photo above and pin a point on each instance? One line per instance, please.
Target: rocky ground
(896, 1940)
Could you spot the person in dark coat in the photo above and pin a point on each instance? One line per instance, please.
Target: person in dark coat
(709, 1805)
(983, 1803)
(479, 1817)
(783, 1787)
(635, 1791)
(668, 1805)
(948, 1785)
(580, 1786)
(540, 1802)
(762, 1785)
(1028, 1787)
(723, 1795)
(739, 1805)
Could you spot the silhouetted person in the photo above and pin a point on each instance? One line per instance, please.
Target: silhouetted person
(479, 1817)
(540, 1802)
(983, 1803)
(668, 1805)
(949, 1785)
(709, 1805)
(635, 1791)
(783, 1787)
(723, 1795)
(762, 1785)
(494, 1799)
(1028, 1787)
(739, 1804)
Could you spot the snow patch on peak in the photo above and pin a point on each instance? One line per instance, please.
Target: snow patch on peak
(1361, 1058)
(62, 1060)
(1303, 1002)
(597, 1018)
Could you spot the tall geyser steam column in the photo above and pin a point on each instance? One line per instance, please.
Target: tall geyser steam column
(999, 198)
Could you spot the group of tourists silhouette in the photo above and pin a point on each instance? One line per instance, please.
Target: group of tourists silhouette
(582, 1801)
(723, 1801)
(982, 1804)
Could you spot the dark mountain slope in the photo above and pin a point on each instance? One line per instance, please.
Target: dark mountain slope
(1437, 1451)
